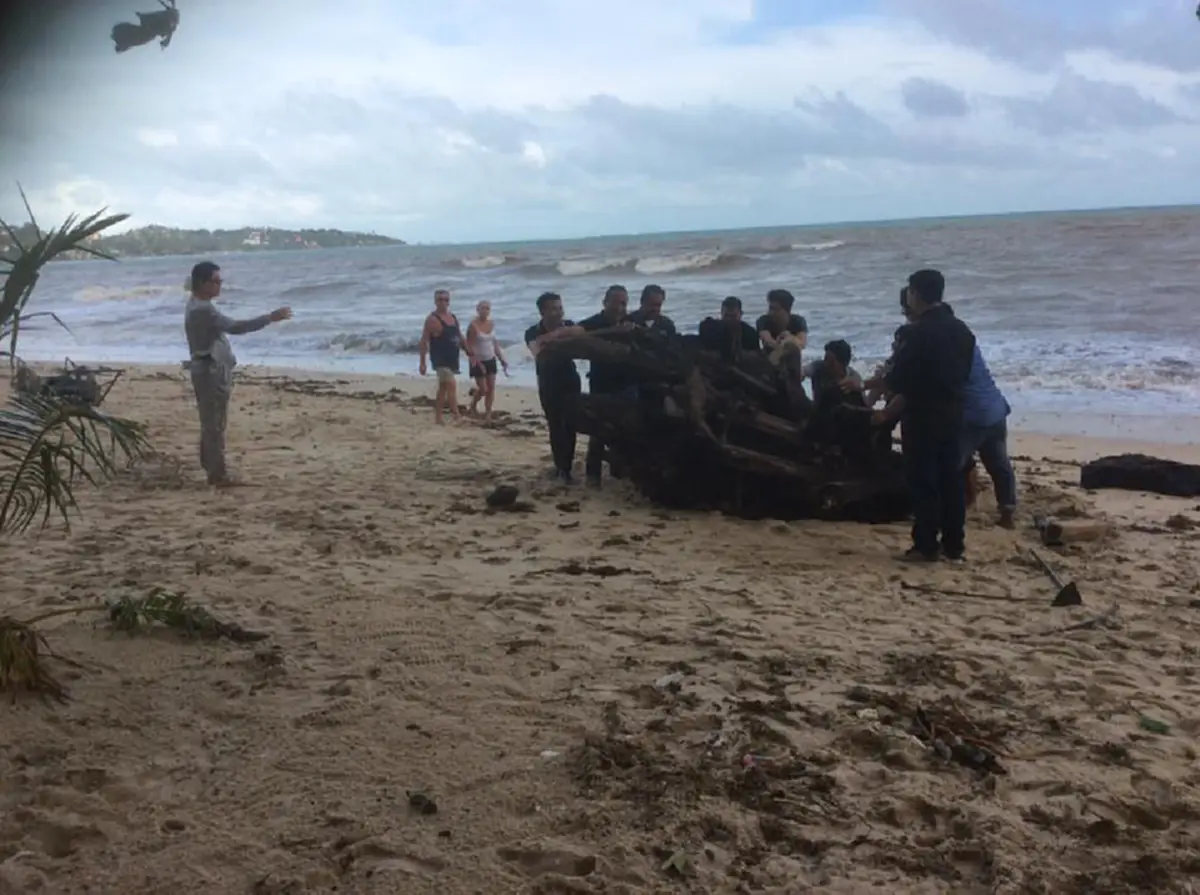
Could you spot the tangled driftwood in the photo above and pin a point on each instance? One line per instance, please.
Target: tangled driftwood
(706, 433)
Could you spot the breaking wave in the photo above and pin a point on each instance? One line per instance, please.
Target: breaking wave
(372, 343)
(817, 246)
(378, 343)
(650, 265)
(485, 262)
(698, 261)
(129, 293)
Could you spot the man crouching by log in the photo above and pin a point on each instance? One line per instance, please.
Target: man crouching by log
(558, 381)
(212, 363)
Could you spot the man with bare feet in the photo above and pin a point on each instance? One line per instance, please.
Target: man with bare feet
(481, 339)
(212, 362)
(441, 342)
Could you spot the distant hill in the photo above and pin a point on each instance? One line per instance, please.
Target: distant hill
(155, 240)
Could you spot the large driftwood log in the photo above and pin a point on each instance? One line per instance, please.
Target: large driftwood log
(708, 434)
(1138, 472)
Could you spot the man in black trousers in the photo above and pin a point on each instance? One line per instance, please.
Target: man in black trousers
(559, 385)
(930, 370)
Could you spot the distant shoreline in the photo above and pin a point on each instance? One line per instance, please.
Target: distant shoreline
(156, 241)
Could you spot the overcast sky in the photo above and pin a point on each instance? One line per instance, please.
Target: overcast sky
(462, 120)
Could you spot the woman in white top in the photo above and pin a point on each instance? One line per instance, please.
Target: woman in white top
(485, 350)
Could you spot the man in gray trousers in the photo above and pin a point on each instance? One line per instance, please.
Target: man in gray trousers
(212, 363)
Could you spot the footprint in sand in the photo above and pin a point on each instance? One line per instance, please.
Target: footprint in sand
(561, 861)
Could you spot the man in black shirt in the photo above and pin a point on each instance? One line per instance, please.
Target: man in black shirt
(779, 320)
(649, 313)
(730, 336)
(930, 371)
(604, 379)
(558, 383)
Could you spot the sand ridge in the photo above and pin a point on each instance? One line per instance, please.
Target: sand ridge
(597, 696)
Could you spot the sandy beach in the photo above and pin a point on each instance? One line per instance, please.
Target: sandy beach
(597, 696)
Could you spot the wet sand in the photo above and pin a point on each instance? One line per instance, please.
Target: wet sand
(597, 695)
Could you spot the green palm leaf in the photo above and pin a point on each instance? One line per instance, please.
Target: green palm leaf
(22, 271)
(48, 446)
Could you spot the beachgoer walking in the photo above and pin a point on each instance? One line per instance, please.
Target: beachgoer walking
(985, 431)
(779, 321)
(485, 349)
(649, 313)
(441, 342)
(931, 371)
(212, 362)
(558, 382)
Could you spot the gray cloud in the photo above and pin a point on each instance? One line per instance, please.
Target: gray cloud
(1040, 35)
(1077, 104)
(933, 99)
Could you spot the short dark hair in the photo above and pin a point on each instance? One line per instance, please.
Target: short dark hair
(546, 298)
(904, 298)
(840, 349)
(732, 301)
(929, 284)
(613, 290)
(781, 297)
(203, 273)
(653, 289)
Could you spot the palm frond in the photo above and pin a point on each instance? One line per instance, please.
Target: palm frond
(22, 271)
(48, 446)
(25, 653)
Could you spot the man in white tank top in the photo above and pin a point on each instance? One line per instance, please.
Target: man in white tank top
(485, 350)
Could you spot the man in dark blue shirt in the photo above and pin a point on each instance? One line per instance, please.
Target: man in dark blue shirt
(558, 382)
(931, 370)
(985, 430)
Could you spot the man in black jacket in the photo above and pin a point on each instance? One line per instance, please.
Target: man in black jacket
(930, 371)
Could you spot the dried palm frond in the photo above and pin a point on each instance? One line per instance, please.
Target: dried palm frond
(25, 654)
(23, 662)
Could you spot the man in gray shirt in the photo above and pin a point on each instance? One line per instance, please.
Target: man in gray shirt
(212, 363)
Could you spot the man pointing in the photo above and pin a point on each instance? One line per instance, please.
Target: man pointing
(212, 363)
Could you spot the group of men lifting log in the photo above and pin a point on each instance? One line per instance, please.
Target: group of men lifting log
(936, 386)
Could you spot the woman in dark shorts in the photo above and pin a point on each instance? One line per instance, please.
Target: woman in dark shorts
(485, 350)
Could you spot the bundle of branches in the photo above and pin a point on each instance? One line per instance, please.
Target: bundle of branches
(706, 433)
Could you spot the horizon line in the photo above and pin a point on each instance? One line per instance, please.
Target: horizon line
(850, 222)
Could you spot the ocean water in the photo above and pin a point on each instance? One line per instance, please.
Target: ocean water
(1085, 313)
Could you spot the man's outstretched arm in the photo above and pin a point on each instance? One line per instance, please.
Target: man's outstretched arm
(240, 327)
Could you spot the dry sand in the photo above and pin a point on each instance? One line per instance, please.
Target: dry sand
(576, 688)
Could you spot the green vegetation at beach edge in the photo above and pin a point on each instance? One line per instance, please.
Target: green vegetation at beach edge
(155, 240)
